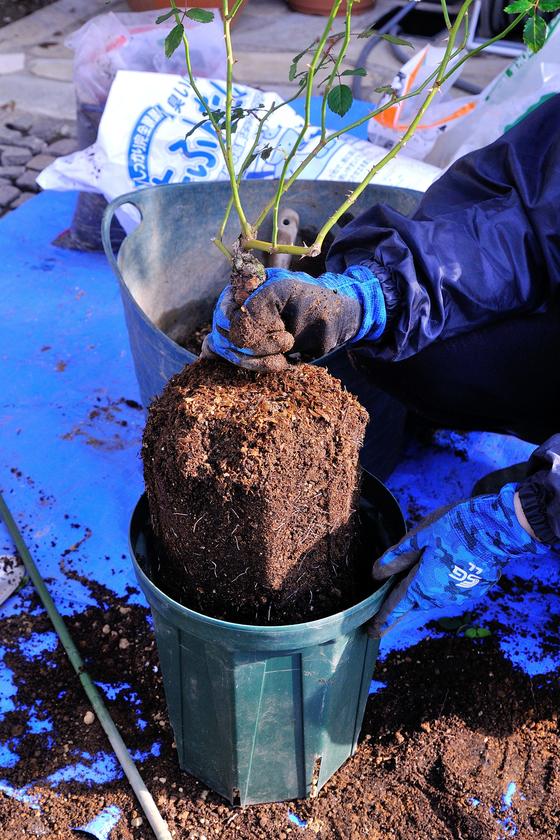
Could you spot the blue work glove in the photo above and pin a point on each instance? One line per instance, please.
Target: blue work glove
(453, 557)
(294, 312)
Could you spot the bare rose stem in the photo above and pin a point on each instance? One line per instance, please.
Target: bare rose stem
(126, 761)
(433, 84)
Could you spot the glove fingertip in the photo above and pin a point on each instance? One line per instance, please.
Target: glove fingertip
(380, 572)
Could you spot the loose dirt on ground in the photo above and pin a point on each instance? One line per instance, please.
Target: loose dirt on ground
(454, 725)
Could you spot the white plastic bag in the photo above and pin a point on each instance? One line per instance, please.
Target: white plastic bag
(133, 41)
(531, 78)
(452, 127)
(142, 141)
(387, 128)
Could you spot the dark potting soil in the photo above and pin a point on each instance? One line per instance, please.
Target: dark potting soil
(252, 481)
(454, 723)
(195, 340)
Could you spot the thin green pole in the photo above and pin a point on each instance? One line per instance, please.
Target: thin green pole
(143, 795)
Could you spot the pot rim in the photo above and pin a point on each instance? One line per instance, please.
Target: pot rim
(349, 618)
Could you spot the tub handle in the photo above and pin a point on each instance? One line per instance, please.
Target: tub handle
(110, 210)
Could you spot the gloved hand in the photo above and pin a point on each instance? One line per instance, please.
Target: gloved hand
(294, 312)
(453, 556)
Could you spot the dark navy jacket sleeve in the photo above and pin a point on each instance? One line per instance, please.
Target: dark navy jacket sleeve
(483, 244)
(539, 493)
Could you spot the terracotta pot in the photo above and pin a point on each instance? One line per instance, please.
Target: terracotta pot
(323, 7)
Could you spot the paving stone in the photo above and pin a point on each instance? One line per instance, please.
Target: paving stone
(39, 162)
(51, 49)
(41, 96)
(7, 195)
(11, 62)
(15, 156)
(63, 147)
(50, 130)
(27, 181)
(61, 69)
(5, 183)
(11, 172)
(8, 136)
(20, 122)
(34, 144)
(21, 199)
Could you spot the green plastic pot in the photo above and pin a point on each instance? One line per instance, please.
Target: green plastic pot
(265, 714)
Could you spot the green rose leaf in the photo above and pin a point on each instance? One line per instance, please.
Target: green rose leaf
(165, 17)
(340, 99)
(535, 32)
(173, 39)
(357, 71)
(294, 65)
(390, 91)
(392, 39)
(549, 5)
(477, 632)
(518, 6)
(200, 15)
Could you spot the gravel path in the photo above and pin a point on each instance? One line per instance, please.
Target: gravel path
(29, 143)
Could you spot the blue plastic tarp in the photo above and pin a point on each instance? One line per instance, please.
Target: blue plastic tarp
(70, 468)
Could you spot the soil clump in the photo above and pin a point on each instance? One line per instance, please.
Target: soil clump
(252, 481)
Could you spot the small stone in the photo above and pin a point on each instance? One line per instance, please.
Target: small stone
(123, 644)
(425, 726)
(21, 200)
(11, 172)
(8, 195)
(38, 163)
(124, 610)
(399, 737)
(89, 717)
(136, 822)
(162, 779)
(203, 794)
(27, 181)
(34, 144)
(105, 629)
(63, 147)
(50, 129)
(8, 135)
(14, 156)
(20, 122)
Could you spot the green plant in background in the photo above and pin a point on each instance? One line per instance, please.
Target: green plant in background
(318, 68)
